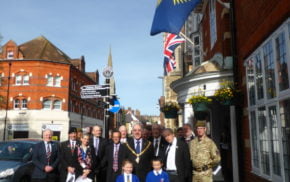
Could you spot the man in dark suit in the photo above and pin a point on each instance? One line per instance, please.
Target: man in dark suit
(158, 141)
(177, 157)
(69, 157)
(45, 157)
(99, 144)
(114, 156)
(140, 152)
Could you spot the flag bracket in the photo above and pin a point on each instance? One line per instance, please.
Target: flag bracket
(186, 38)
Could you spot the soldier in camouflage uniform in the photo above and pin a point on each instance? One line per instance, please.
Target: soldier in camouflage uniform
(204, 154)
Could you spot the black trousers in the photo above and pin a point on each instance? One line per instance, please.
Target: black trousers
(174, 177)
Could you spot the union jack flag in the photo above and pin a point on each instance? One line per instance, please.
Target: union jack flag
(171, 42)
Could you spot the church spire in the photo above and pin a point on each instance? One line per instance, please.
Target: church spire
(110, 62)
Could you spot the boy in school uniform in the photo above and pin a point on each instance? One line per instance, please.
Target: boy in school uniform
(157, 174)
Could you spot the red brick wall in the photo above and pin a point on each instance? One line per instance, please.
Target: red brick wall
(37, 82)
(222, 25)
(255, 21)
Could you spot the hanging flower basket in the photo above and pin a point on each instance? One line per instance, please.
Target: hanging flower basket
(170, 114)
(170, 109)
(202, 106)
(199, 102)
(226, 94)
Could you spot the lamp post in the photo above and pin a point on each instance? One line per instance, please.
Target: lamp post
(162, 77)
(108, 73)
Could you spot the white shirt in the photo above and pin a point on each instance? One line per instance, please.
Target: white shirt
(126, 176)
(158, 144)
(49, 145)
(157, 172)
(123, 140)
(170, 163)
(72, 143)
(118, 145)
(135, 143)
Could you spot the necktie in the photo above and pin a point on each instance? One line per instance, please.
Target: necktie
(48, 152)
(97, 146)
(166, 153)
(138, 147)
(115, 158)
(155, 146)
(128, 178)
(72, 146)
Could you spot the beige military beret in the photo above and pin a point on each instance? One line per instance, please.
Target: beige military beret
(200, 123)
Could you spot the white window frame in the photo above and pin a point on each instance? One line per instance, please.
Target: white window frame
(48, 100)
(18, 80)
(10, 55)
(25, 79)
(265, 102)
(24, 104)
(19, 104)
(57, 81)
(50, 80)
(53, 104)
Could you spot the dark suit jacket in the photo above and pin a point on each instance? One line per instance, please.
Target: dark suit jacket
(162, 146)
(39, 160)
(144, 166)
(68, 158)
(108, 159)
(182, 159)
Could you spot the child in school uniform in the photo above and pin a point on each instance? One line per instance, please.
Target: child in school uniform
(157, 175)
(127, 176)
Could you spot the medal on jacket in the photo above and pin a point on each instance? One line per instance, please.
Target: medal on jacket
(142, 152)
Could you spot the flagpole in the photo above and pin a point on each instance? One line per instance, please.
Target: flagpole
(186, 38)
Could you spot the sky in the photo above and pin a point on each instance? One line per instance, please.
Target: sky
(90, 28)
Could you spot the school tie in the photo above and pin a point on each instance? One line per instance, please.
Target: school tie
(115, 158)
(138, 147)
(128, 178)
(72, 146)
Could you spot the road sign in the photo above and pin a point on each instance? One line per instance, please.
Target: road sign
(93, 91)
(116, 107)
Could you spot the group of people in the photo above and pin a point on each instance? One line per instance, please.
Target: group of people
(161, 157)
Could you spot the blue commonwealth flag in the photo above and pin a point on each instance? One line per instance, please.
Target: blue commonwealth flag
(170, 15)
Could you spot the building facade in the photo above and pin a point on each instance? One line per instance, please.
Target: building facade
(40, 87)
(263, 47)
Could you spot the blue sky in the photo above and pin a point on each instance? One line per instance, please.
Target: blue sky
(89, 28)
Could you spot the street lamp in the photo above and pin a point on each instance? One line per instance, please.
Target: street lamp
(162, 77)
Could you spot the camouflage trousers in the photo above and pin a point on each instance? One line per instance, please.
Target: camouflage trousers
(200, 177)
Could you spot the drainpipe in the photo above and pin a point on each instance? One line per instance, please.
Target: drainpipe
(234, 109)
(7, 101)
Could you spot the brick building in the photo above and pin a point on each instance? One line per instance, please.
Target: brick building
(40, 88)
(263, 55)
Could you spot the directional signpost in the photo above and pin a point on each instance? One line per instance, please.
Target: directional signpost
(93, 91)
